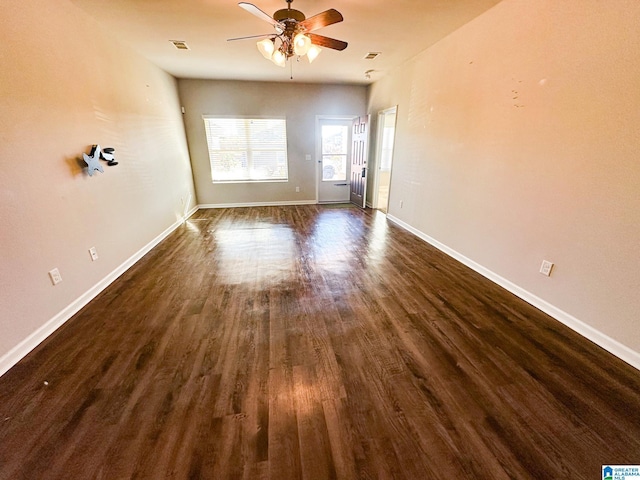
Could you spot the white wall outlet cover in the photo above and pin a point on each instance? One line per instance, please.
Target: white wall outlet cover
(545, 268)
(55, 276)
(94, 253)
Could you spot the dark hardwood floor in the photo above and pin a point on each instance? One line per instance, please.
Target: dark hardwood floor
(316, 343)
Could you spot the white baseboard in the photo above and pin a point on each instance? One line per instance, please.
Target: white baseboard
(612, 346)
(258, 204)
(187, 215)
(618, 349)
(18, 352)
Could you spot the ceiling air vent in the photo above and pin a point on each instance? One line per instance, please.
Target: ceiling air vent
(371, 55)
(180, 44)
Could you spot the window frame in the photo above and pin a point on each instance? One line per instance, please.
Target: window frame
(249, 148)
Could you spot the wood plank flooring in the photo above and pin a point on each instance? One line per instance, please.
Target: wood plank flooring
(313, 342)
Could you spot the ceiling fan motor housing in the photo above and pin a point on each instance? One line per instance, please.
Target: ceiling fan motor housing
(288, 14)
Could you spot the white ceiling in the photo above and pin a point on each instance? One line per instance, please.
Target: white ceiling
(399, 29)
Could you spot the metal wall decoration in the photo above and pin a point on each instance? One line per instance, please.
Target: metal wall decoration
(93, 159)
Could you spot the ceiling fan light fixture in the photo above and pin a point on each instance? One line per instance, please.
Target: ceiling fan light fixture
(301, 44)
(313, 52)
(266, 47)
(294, 33)
(279, 58)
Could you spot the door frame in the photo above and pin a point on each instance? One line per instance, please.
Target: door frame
(378, 154)
(317, 160)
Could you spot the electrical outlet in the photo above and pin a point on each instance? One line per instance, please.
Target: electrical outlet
(55, 276)
(297, 189)
(401, 203)
(307, 157)
(94, 253)
(545, 268)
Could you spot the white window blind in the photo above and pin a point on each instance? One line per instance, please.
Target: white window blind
(247, 149)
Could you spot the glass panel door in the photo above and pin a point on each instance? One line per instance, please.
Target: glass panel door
(333, 150)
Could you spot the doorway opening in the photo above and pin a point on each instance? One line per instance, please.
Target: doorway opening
(384, 157)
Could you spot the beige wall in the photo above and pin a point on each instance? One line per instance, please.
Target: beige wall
(64, 84)
(299, 103)
(517, 141)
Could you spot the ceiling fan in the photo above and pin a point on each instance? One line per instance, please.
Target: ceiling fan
(293, 33)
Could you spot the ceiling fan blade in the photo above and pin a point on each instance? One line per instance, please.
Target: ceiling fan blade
(320, 20)
(251, 8)
(250, 36)
(327, 42)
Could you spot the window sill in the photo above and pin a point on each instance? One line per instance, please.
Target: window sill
(219, 182)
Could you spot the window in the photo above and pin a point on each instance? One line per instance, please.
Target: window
(247, 149)
(335, 141)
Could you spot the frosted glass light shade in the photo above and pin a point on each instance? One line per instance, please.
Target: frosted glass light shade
(301, 44)
(313, 52)
(279, 58)
(266, 47)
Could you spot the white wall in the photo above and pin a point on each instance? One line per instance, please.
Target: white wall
(517, 141)
(299, 103)
(65, 83)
